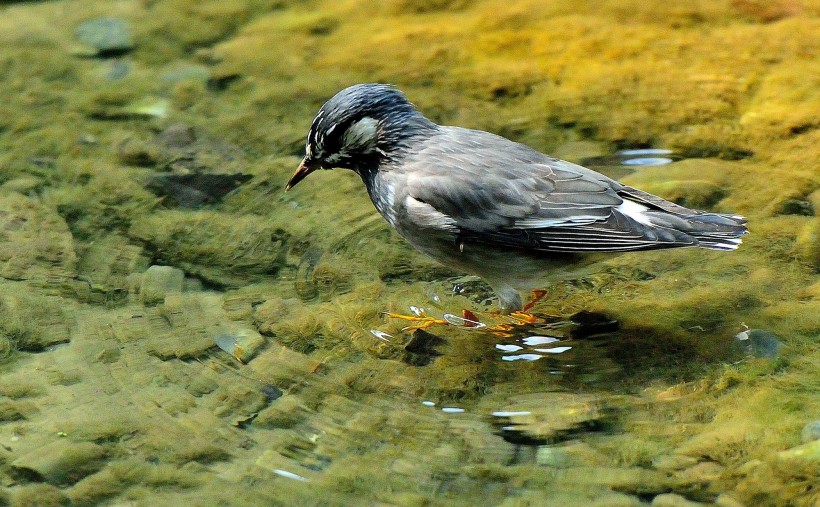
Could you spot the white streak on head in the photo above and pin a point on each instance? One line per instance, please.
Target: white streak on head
(634, 211)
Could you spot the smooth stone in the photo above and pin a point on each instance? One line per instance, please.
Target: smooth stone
(811, 432)
(106, 35)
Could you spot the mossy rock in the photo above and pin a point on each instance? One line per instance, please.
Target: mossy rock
(807, 245)
(223, 249)
(35, 243)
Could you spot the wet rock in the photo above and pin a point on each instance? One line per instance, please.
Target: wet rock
(105, 36)
(759, 343)
(811, 432)
(196, 169)
(60, 463)
(269, 313)
(146, 107)
(12, 410)
(23, 185)
(159, 281)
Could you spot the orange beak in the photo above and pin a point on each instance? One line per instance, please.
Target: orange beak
(305, 168)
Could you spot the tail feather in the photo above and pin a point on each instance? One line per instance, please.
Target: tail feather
(712, 230)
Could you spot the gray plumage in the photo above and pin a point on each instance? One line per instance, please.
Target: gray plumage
(489, 206)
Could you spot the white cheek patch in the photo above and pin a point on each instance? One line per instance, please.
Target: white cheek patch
(362, 135)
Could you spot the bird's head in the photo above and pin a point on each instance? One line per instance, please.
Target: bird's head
(359, 128)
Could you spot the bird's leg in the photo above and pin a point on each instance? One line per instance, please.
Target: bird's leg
(523, 315)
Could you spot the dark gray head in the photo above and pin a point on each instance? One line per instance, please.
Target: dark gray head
(359, 128)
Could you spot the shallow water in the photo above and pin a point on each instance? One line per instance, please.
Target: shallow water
(176, 328)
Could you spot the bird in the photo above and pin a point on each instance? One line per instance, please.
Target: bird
(488, 206)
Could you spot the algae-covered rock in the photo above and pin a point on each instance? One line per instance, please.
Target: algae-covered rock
(807, 245)
(60, 463)
(228, 250)
(808, 452)
(240, 342)
(105, 267)
(39, 495)
(159, 281)
(810, 432)
(35, 243)
(185, 325)
(32, 322)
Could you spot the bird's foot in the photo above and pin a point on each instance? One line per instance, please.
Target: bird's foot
(423, 321)
(469, 319)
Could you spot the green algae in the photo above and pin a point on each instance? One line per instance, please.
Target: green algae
(732, 86)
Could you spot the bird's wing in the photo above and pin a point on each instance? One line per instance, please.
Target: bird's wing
(492, 190)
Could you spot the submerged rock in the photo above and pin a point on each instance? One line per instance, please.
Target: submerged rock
(759, 343)
(159, 281)
(195, 190)
(59, 463)
(242, 343)
(809, 452)
(811, 432)
(543, 418)
(105, 36)
(807, 245)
